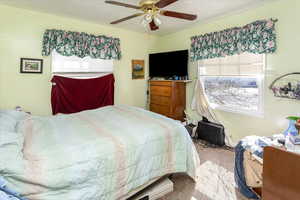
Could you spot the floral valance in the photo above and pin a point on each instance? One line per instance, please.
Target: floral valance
(258, 37)
(68, 43)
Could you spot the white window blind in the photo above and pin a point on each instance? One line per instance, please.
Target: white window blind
(74, 64)
(234, 83)
(245, 64)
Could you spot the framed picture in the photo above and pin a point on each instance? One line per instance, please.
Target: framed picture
(30, 65)
(138, 69)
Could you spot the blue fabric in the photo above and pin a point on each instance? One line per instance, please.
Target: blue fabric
(239, 174)
(10, 194)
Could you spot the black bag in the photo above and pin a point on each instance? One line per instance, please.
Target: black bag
(211, 132)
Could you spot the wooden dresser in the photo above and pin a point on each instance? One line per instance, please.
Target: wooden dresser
(168, 98)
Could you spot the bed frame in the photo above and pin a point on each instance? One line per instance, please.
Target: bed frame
(144, 187)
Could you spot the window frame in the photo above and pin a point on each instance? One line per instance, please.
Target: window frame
(261, 87)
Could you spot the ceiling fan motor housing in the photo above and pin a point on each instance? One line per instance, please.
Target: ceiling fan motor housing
(148, 2)
(148, 6)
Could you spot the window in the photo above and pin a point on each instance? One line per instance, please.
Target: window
(74, 64)
(234, 83)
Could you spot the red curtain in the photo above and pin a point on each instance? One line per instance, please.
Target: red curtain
(71, 95)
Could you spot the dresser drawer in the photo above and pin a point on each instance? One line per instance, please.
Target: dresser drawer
(163, 110)
(160, 91)
(161, 83)
(160, 100)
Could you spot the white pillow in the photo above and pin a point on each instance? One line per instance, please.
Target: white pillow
(10, 118)
(11, 156)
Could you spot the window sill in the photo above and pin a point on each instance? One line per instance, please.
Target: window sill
(242, 112)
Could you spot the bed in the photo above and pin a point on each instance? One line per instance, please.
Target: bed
(98, 154)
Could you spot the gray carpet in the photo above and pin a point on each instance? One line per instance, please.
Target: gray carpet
(215, 178)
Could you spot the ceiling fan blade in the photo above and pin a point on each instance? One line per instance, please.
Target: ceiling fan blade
(178, 15)
(127, 18)
(153, 26)
(123, 4)
(164, 3)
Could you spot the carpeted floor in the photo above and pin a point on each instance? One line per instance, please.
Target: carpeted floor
(215, 179)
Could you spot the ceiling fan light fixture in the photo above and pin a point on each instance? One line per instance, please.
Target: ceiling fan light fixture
(144, 23)
(148, 18)
(157, 20)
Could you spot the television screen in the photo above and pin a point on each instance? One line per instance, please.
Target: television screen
(169, 64)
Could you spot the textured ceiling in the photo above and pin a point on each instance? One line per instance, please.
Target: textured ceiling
(99, 12)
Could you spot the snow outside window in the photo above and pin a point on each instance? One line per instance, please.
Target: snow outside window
(234, 83)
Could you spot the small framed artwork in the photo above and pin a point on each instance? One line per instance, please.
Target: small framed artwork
(30, 65)
(138, 69)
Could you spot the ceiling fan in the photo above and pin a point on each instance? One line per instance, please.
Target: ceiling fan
(151, 9)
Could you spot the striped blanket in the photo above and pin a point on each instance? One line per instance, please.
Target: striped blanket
(98, 154)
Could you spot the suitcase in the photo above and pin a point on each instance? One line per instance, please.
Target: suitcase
(211, 132)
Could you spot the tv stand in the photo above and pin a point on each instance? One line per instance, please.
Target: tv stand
(168, 97)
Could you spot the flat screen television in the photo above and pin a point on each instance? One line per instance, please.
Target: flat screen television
(169, 64)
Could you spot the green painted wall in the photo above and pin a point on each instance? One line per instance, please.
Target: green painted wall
(21, 36)
(285, 60)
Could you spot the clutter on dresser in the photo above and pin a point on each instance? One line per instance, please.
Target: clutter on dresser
(291, 145)
(249, 159)
(295, 139)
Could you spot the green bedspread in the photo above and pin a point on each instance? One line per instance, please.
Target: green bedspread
(97, 154)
